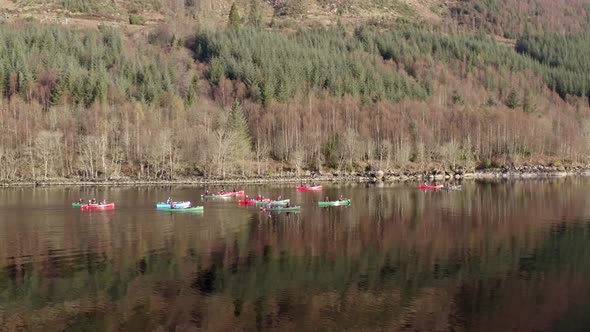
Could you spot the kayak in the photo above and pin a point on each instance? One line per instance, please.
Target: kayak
(87, 207)
(431, 187)
(309, 188)
(247, 201)
(281, 202)
(191, 209)
(335, 203)
(280, 208)
(179, 205)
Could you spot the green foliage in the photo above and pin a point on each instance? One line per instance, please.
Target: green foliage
(512, 99)
(84, 64)
(239, 136)
(330, 153)
(234, 17)
(82, 6)
(486, 163)
(565, 57)
(239, 126)
(490, 102)
(458, 98)
(279, 66)
(255, 14)
(528, 104)
(135, 19)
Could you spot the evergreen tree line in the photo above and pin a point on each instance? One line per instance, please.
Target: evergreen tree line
(327, 59)
(290, 65)
(566, 58)
(57, 66)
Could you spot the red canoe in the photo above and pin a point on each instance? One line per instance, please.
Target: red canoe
(247, 201)
(430, 187)
(306, 188)
(109, 206)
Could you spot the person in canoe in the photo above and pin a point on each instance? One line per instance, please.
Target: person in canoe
(172, 205)
(326, 199)
(234, 190)
(94, 201)
(280, 198)
(259, 198)
(206, 192)
(341, 198)
(103, 202)
(81, 201)
(168, 201)
(288, 204)
(89, 202)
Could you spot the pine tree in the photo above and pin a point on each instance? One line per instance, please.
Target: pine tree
(512, 99)
(255, 14)
(241, 142)
(234, 17)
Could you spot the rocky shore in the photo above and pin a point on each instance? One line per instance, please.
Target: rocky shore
(458, 174)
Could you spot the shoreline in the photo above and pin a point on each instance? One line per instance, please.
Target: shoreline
(524, 172)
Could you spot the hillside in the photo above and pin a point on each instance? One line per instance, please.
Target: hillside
(153, 89)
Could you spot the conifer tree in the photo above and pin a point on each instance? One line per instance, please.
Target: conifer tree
(512, 99)
(234, 17)
(255, 14)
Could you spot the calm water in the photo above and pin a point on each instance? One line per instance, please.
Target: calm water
(508, 256)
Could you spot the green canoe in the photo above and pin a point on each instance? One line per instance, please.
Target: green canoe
(192, 209)
(77, 205)
(285, 209)
(282, 202)
(335, 203)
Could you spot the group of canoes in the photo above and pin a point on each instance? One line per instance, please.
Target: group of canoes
(280, 204)
(266, 204)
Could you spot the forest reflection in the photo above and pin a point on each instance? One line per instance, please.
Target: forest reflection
(493, 257)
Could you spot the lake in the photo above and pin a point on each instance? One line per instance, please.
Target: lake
(495, 256)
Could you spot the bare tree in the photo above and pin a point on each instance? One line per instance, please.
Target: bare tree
(46, 149)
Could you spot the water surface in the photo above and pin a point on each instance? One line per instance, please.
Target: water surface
(505, 256)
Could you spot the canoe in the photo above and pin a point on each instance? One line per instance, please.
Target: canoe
(77, 205)
(430, 187)
(247, 201)
(263, 202)
(228, 195)
(281, 202)
(179, 205)
(191, 209)
(309, 188)
(335, 203)
(281, 208)
(452, 188)
(87, 207)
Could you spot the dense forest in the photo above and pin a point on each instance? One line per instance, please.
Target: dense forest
(251, 97)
